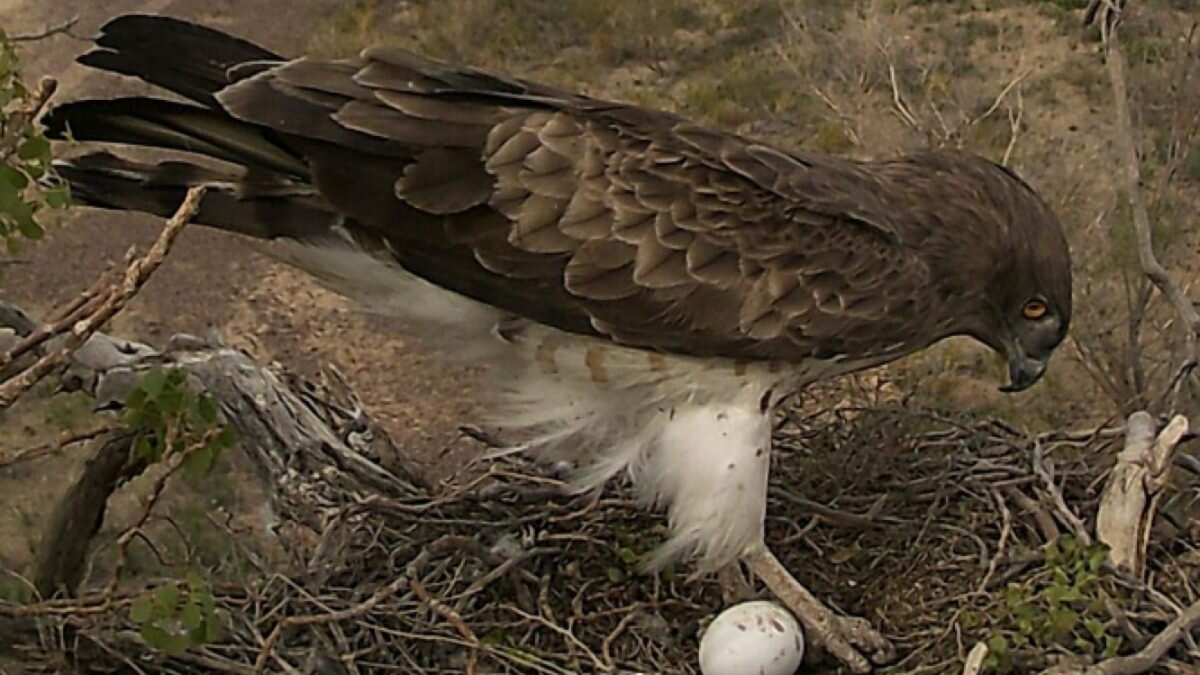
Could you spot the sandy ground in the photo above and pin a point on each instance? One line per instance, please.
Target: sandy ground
(212, 281)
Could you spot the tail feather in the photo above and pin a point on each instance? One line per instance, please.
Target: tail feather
(176, 126)
(190, 60)
(256, 205)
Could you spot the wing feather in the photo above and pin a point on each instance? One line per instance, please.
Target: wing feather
(645, 228)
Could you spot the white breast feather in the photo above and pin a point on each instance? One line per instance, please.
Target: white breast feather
(692, 434)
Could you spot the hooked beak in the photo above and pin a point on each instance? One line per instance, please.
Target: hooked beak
(1023, 370)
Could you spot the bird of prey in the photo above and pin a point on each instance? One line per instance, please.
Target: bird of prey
(646, 289)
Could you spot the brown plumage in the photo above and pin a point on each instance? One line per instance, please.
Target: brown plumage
(617, 235)
(604, 218)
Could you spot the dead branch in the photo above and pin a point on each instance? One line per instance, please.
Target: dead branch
(1107, 13)
(63, 28)
(134, 278)
(65, 440)
(1130, 499)
(63, 553)
(275, 421)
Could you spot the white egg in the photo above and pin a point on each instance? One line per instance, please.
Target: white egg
(752, 638)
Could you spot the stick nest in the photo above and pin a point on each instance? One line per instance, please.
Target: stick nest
(934, 529)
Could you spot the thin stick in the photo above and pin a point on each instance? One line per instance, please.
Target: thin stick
(63, 28)
(358, 610)
(135, 277)
(51, 447)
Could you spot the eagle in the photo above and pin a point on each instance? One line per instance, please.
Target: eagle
(643, 289)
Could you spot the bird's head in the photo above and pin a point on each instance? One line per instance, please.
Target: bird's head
(1001, 250)
(1026, 305)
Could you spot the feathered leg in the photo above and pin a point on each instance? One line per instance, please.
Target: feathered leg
(710, 468)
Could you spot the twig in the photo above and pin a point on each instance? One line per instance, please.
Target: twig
(1003, 93)
(1014, 121)
(134, 278)
(30, 110)
(63, 28)
(1043, 470)
(358, 610)
(1005, 533)
(442, 609)
(51, 447)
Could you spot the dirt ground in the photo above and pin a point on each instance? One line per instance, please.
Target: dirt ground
(212, 281)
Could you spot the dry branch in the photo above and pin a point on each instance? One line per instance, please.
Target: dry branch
(1107, 14)
(135, 277)
(62, 555)
(1128, 506)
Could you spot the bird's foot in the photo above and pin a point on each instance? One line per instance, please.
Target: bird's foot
(847, 638)
(735, 587)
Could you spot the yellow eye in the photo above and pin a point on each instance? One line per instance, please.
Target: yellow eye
(1034, 309)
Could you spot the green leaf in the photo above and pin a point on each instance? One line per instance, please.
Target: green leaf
(1112, 645)
(1069, 546)
(1063, 622)
(154, 636)
(195, 581)
(226, 437)
(1013, 595)
(26, 224)
(998, 645)
(141, 609)
(153, 383)
(1053, 557)
(35, 147)
(13, 179)
(199, 463)
(58, 198)
(192, 617)
(135, 400)
(142, 450)
(166, 598)
(176, 377)
(176, 644)
(171, 401)
(206, 410)
(212, 627)
(968, 619)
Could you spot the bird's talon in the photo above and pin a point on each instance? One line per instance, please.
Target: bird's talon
(848, 637)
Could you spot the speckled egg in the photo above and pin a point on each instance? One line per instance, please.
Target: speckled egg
(752, 638)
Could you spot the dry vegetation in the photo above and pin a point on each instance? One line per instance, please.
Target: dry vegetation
(899, 494)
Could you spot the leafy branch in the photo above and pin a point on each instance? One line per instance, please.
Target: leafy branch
(28, 185)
